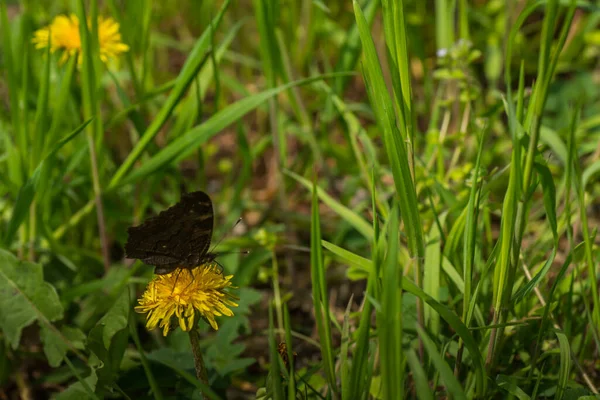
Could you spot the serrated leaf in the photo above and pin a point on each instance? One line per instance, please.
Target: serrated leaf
(171, 358)
(76, 391)
(116, 318)
(108, 339)
(55, 348)
(25, 297)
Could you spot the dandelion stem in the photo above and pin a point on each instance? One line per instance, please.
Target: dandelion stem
(198, 361)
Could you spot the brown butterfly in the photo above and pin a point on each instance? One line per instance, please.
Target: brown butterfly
(178, 237)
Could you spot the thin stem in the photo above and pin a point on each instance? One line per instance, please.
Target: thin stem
(98, 201)
(198, 360)
(277, 295)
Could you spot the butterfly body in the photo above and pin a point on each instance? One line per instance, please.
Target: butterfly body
(178, 237)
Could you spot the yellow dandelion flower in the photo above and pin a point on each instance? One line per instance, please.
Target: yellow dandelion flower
(63, 35)
(184, 294)
(109, 39)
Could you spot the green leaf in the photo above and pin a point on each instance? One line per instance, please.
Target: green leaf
(389, 317)
(364, 264)
(431, 276)
(344, 351)
(419, 376)
(350, 52)
(319, 292)
(565, 364)
(77, 391)
(452, 319)
(188, 143)
(193, 63)
(442, 366)
(55, 348)
(393, 140)
(274, 383)
(549, 195)
(552, 139)
(509, 384)
(347, 214)
(25, 298)
(592, 170)
(550, 207)
(108, 339)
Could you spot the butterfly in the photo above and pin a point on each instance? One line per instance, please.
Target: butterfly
(178, 237)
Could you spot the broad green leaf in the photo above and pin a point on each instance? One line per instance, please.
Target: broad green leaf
(77, 391)
(115, 319)
(108, 340)
(181, 370)
(55, 348)
(25, 298)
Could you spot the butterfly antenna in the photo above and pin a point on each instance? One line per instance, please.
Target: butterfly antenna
(223, 237)
(220, 266)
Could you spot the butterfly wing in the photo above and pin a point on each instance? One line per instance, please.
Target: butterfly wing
(177, 236)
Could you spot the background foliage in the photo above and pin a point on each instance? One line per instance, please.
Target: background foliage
(418, 183)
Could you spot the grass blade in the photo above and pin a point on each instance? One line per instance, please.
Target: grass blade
(443, 368)
(193, 63)
(348, 215)
(319, 292)
(187, 143)
(389, 317)
(28, 190)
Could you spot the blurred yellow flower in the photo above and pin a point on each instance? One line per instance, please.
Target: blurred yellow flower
(63, 34)
(182, 294)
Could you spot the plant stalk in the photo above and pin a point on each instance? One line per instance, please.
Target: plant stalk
(198, 360)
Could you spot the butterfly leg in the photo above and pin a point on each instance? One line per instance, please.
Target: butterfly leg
(176, 278)
(191, 275)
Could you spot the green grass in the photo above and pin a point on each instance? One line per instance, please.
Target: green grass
(418, 184)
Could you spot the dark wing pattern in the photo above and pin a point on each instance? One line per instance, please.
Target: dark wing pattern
(177, 236)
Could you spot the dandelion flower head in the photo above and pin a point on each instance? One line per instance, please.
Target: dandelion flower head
(63, 35)
(183, 294)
